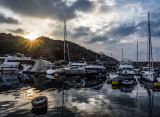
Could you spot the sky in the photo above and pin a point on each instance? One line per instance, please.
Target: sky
(100, 25)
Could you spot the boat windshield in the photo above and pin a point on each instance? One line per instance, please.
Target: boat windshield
(146, 69)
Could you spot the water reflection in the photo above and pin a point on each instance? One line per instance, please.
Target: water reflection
(79, 96)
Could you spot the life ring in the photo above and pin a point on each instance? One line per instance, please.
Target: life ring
(40, 102)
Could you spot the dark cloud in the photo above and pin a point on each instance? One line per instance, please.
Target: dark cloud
(81, 31)
(155, 26)
(155, 14)
(123, 30)
(18, 31)
(47, 8)
(97, 39)
(8, 20)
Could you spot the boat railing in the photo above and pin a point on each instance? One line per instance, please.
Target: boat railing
(21, 58)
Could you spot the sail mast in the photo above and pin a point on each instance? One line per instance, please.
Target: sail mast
(149, 39)
(64, 38)
(137, 50)
(67, 46)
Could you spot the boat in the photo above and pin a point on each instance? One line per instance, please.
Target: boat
(73, 68)
(38, 67)
(148, 73)
(95, 67)
(13, 62)
(126, 69)
(76, 68)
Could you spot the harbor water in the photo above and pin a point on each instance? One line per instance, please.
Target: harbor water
(95, 99)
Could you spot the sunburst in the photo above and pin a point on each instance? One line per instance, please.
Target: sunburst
(32, 36)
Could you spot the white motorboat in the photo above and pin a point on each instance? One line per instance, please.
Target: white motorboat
(147, 73)
(126, 69)
(12, 63)
(76, 68)
(95, 67)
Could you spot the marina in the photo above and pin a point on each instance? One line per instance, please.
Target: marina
(79, 58)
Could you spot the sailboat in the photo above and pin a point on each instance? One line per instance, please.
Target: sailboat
(74, 68)
(148, 72)
(53, 71)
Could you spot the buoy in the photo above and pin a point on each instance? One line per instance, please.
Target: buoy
(156, 84)
(114, 82)
(40, 102)
(56, 76)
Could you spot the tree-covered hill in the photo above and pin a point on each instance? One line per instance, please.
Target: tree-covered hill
(44, 47)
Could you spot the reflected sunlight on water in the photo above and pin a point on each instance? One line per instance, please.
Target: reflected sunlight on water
(97, 100)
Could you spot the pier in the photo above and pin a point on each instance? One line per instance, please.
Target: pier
(145, 63)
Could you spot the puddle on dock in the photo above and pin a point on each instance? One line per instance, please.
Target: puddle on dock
(95, 99)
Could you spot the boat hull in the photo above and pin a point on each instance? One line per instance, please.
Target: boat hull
(74, 72)
(148, 76)
(94, 71)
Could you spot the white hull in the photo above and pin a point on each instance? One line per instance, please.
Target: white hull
(148, 76)
(94, 71)
(53, 71)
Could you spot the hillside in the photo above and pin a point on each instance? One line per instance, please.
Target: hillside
(43, 46)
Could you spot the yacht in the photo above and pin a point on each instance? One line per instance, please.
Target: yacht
(148, 73)
(76, 68)
(126, 69)
(13, 63)
(95, 67)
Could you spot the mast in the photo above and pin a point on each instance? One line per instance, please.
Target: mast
(67, 46)
(137, 50)
(64, 38)
(149, 40)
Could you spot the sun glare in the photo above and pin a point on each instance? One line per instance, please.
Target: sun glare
(32, 36)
